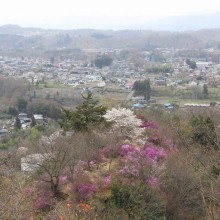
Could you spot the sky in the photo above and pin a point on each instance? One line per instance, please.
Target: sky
(103, 14)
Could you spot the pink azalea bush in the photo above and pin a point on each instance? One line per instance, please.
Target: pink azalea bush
(149, 125)
(29, 190)
(79, 168)
(103, 152)
(125, 149)
(155, 138)
(152, 182)
(149, 152)
(168, 143)
(44, 200)
(154, 153)
(138, 162)
(107, 181)
(92, 164)
(63, 180)
(131, 170)
(86, 190)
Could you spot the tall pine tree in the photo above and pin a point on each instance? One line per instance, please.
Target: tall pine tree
(17, 124)
(86, 114)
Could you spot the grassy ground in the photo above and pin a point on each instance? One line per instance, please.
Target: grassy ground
(190, 95)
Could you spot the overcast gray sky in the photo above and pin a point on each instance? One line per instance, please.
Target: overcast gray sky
(97, 13)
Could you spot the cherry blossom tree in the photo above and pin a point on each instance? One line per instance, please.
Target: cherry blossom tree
(124, 123)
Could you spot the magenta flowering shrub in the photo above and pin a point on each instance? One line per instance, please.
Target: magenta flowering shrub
(79, 168)
(142, 163)
(44, 201)
(168, 143)
(29, 190)
(134, 160)
(93, 164)
(107, 181)
(130, 171)
(71, 187)
(44, 198)
(152, 131)
(149, 125)
(86, 190)
(155, 138)
(152, 181)
(161, 153)
(103, 152)
(154, 153)
(151, 152)
(126, 149)
(63, 180)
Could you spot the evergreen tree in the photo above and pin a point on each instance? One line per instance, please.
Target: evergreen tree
(205, 91)
(33, 121)
(86, 114)
(203, 130)
(17, 124)
(191, 64)
(12, 111)
(103, 61)
(21, 104)
(143, 88)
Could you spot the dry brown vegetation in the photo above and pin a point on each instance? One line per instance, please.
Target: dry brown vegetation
(187, 174)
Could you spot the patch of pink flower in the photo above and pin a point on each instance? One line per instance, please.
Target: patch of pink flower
(80, 167)
(29, 190)
(137, 155)
(44, 200)
(152, 182)
(63, 180)
(103, 152)
(71, 187)
(149, 125)
(126, 149)
(92, 163)
(151, 153)
(156, 139)
(107, 181)
(154, 153)
(161, 152)
(170, 145)
(86, 190)
(130, 171)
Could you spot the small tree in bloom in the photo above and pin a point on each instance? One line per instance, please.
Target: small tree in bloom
(125, 123)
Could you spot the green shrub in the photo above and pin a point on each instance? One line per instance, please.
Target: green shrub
(40, 128)
(138, 201)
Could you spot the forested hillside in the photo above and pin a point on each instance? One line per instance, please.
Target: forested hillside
(116, 164)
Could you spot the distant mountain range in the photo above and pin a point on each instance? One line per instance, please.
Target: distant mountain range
(184, 23)
(16, 40)
(177, 23)
(11, 29)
